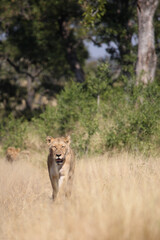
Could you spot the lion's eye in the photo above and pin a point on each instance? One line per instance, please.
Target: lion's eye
(63, 146)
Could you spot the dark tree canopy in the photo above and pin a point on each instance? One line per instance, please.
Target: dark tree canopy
(39, 41)
(42, 42)
(40, 33)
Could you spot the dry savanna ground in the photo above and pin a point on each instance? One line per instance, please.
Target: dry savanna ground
(114, 198)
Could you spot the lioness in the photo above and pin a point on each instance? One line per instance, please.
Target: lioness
(61, 165)
(12, 154)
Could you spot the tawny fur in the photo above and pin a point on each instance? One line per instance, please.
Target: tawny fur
(12, 154)
(61, 164)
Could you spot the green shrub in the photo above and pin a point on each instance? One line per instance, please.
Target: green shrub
(100, 82)
(71, 103)
(76, 114)
(46, 123)
(126, 118)
(75, 107)
(13, 132)
(136, 121)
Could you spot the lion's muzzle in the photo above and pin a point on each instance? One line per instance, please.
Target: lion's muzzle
(59, 159)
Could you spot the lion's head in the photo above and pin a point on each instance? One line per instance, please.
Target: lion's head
(59, 148)
(12, 153)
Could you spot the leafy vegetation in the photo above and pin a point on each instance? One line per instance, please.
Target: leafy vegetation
(44, 84)
(127, 117)
(13, 132)
(135, 124)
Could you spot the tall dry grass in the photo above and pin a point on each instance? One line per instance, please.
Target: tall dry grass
(113, 198)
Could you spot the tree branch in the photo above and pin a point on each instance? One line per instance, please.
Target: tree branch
(94, 41)
(17, 68)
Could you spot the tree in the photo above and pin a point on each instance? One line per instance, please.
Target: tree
(40, 38)
(157, 39)
(117, 27)
(114, 23)
(147, 59)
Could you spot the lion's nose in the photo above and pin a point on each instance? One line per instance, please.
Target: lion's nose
(58, 155)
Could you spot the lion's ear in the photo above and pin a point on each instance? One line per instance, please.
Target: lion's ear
(49, 140)
(68, 139)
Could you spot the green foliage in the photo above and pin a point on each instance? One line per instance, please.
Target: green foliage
(70, 106)
(93, 11)
(136, 122)
(99, 83)
(113, 23)
(45, 124)
(40, 40)
(35, 35)
(77, 109)
(75, 104)
(127, 118)
(13, 132)
(76, 113)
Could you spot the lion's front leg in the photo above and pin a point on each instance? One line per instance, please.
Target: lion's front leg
(55, 187)
(61, 186)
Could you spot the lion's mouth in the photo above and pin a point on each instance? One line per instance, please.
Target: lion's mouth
(59, 160)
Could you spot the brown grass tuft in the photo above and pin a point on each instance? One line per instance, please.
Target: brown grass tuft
(113, 198)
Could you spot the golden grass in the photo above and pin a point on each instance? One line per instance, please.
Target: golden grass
(113, 198)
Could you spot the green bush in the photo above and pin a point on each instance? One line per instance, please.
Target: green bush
(127, 116)
(13, 132)
(76, 109)
(46, 123)
(72, 102)
(136, 122)
(99, 82)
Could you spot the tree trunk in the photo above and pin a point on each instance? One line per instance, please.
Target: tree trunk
(30, 93)
(147, 59)
(71, 54)
(74, 64)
